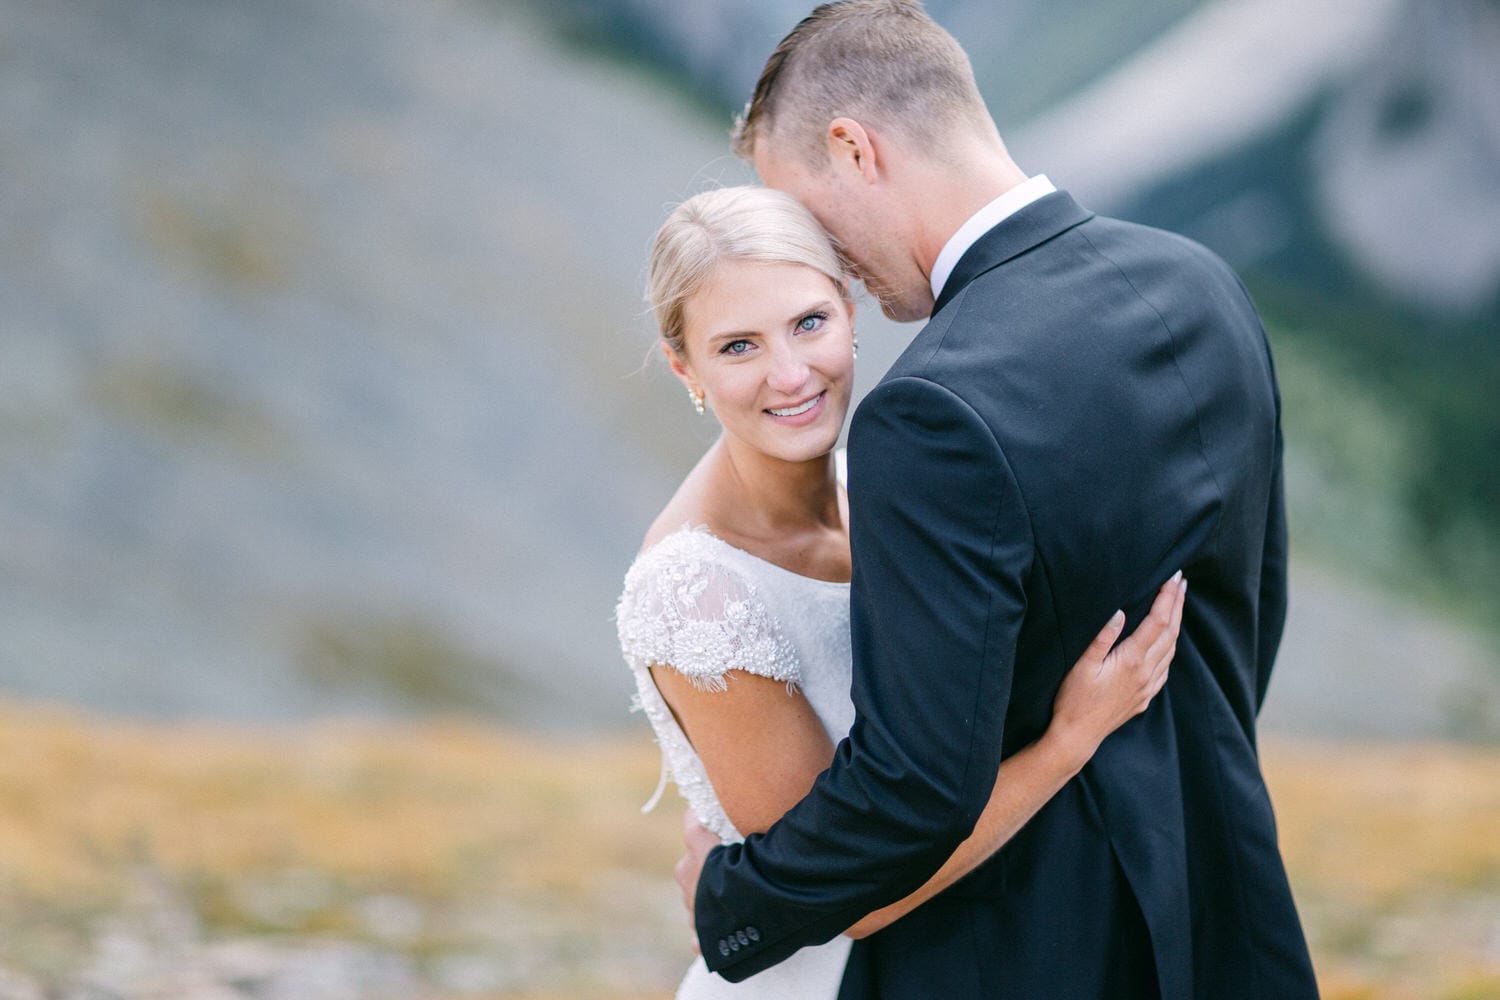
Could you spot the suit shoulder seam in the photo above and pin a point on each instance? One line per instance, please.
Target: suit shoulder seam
(1176, 364)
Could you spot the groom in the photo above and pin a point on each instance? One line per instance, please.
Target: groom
(1090, 406)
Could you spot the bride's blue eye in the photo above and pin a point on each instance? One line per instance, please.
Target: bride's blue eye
(811, 322)
(735, 347)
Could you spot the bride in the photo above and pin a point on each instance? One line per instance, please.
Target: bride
(735, 615)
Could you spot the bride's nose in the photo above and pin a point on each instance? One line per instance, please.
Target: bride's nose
(788, 371)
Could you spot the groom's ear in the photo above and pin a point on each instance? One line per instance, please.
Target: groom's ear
(852, 148)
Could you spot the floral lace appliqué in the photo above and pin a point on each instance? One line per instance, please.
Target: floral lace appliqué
(685, 607)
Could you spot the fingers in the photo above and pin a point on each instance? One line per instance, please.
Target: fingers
(1164, 646)
(1157, 620)
(681, 871)
(1146, 655)
(1099, 648)
(1159, 657)
(698, 839)
(1158, 681)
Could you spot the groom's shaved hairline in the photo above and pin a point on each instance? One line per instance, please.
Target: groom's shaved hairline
(882, 62)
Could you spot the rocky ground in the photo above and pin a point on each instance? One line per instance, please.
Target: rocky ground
(454, 860)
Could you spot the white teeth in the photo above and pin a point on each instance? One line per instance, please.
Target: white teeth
(798, 409)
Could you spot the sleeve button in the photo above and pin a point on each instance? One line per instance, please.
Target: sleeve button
(723, 947)
(743, 936)
(752, 933)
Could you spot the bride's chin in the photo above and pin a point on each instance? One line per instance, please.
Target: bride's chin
(820, 450)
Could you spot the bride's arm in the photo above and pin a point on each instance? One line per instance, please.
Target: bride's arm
(760, 742)
(1102, 691)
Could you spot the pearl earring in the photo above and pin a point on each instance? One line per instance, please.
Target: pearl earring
(697, 397)
(856, 345)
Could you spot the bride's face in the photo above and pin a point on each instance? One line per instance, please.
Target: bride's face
(770, 345)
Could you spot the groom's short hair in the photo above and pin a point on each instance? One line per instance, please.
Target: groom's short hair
(881, 62)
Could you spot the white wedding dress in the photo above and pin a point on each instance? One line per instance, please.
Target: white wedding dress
(704, 607)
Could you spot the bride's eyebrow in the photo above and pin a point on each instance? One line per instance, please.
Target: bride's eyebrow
(718, 338)
(823, 306)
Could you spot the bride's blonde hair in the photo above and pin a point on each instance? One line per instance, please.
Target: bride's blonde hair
(733, 223)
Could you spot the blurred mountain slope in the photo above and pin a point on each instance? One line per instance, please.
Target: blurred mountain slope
(322, 382)
(318, 333)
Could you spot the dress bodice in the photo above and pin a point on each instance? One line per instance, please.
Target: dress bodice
(698, 605)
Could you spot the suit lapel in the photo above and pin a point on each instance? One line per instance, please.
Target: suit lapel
(1030, 227)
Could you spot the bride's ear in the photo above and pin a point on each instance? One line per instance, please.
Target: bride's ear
(674, 362)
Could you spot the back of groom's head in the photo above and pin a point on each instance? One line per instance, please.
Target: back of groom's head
(884, 63)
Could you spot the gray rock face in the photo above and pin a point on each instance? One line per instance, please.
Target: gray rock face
(317, 335)
(1406, 161)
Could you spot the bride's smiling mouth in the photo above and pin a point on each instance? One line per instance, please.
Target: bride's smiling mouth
(808, 409)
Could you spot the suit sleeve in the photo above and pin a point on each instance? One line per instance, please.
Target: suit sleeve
(1273, 571)
(942, 548)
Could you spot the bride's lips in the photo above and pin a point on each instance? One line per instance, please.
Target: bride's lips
(801, 413)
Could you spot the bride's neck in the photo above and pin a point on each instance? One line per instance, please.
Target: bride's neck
(767, 496)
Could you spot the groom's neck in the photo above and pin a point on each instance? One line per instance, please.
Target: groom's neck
(955, 188)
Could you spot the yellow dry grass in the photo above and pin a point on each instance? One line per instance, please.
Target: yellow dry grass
(1394, 853)
(1394, 850)
(444, 807)
(519, 847)
(1380, 823)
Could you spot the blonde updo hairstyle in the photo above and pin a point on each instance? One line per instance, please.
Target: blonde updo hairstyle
(733, 223)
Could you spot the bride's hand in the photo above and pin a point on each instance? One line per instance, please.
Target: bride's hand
(1107, 687)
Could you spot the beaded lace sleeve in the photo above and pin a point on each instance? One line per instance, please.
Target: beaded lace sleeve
(685, 606)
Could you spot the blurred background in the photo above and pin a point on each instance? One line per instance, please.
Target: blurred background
(330, 420)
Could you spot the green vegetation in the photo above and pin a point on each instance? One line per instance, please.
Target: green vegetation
(1393, 433)
(409, 658)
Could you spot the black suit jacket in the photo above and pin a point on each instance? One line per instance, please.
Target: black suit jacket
(1091, 407)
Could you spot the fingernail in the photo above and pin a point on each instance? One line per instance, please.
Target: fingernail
(1183, 585)
(1177, 575)
(1117, 620)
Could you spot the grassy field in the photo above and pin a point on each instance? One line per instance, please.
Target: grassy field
(456, 860)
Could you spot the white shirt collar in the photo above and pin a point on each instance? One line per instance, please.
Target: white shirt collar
(983, 221)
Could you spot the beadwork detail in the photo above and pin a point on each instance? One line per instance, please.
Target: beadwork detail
(685, 608)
